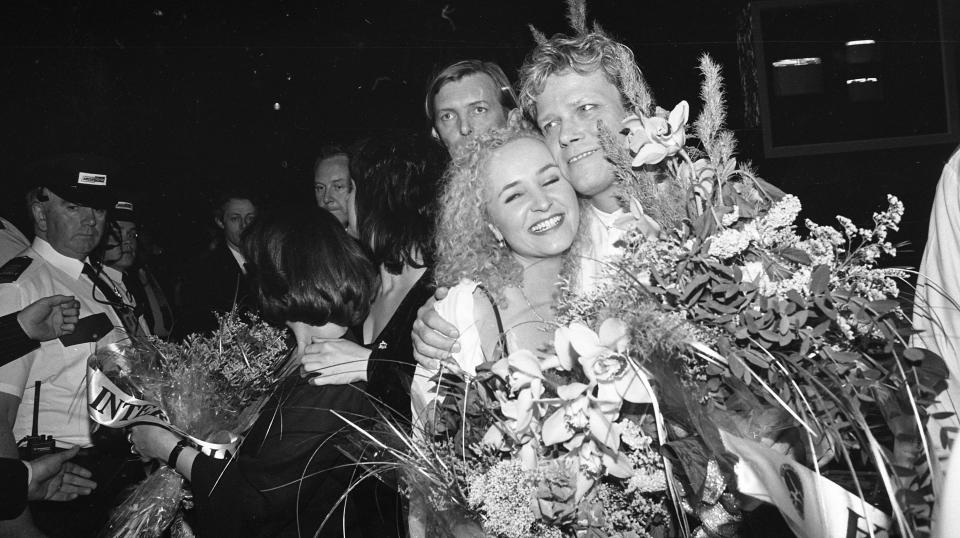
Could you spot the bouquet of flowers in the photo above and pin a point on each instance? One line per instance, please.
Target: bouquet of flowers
(209, 388)
(764, 342)
(535, 447)
(729, 359)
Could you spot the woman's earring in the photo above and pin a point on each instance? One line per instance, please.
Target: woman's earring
(496, 233)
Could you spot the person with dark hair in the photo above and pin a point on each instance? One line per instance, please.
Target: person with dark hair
(466, 99)
(289, 475)
(396, 208)
(333, 185)
(217, 282)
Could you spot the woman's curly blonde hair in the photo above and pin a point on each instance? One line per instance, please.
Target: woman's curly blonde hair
(466, 247)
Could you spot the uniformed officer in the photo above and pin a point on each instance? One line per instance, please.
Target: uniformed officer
(129, 274)
(68, 207)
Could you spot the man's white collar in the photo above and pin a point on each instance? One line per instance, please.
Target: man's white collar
(608, 219)
(68, 265)
(237, 255)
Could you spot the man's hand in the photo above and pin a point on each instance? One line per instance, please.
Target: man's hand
(336, 361)
(434, 338)
(55, 479)
(50, 317)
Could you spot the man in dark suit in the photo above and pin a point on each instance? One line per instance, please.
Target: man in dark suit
(217, 282)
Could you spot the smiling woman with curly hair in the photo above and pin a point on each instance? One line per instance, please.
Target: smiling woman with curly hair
(466, 246)
(507, 221)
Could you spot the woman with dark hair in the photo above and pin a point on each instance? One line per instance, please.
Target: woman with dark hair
(289, 474)
(396, 200)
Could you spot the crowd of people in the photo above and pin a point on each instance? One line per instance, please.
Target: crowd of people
(450, 246)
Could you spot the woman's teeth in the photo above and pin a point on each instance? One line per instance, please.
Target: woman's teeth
(546, 224)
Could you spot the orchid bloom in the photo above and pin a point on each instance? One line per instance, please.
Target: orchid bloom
(652, 139)
(597, 459)
(605, 363)
(637, 221)
(571, 418)
(521, 369)
(579, 416)
(593, 461)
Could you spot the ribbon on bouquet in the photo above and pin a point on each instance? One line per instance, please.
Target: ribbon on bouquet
(111, 406)
(811, 504)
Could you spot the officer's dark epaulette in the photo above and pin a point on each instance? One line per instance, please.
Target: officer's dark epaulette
(12, 270)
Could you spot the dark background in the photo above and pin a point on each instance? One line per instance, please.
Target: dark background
(184, 93)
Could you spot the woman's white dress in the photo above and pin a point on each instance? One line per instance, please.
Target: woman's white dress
(457, 308)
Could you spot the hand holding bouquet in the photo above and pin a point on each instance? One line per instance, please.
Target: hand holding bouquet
(208, 389)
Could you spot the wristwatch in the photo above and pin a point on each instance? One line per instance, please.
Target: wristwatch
(175, 453)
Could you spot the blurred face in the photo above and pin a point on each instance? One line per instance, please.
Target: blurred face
(123, 250)
(333, 187)
(529, 203)
(567, 113)
(466, 108)
(237, 215)
(72, 230)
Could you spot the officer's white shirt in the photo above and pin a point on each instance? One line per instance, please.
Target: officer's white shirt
(602, 231)
(62, 370)
(12, 241)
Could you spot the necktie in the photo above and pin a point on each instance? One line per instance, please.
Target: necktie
(135, 287)
(124, 312)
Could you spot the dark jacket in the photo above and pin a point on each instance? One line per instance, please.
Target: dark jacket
(214, 283)
(391, 365)
(14, 343)
(290, 473)
(13, 494)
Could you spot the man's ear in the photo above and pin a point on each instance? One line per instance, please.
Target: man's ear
(39, 216)
(435, 134)
(514, 118)
(219, 221)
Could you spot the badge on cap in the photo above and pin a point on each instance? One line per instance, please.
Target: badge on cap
(86, 178)
(124, 206)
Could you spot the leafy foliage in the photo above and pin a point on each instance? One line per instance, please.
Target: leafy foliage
(797, 340)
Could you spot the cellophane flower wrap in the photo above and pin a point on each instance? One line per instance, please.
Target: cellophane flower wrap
(739, 354)
(209, 388)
